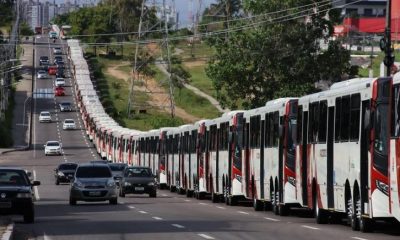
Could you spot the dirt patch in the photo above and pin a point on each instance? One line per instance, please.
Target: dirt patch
(158, 96)
(190, 64)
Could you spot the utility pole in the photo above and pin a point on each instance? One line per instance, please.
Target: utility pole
(171, 85)
(135, 72)
(386, 42)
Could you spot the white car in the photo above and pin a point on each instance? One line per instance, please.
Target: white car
(42, 74)
(69, 124)
(57, 50)
(45, 116)
(59, 82)
(52, 148)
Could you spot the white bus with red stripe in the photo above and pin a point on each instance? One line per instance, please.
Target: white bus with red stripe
(343, 150)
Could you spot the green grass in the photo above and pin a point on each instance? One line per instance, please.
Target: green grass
(376, 65)
(197, 51)
(200, 79)
(115, 94)
(190, 102)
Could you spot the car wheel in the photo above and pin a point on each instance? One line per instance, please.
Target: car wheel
(57, 182)
(121, 192)
(29, 216)
(114, 201)
(72, 201)
(153, 194)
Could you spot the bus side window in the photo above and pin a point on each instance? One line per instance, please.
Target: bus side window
(395, 121)
(300, 125)
(355, 117)
(338, 106)
(345, 113)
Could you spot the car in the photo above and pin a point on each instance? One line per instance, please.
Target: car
(44, 60)
(59, 82)
(69, 124)
(60, 65)
(99, 161)
(57, 50)
(59, 91)
(138, 180)
(92, 183)
(52, 148)
(44, 116)
(117, 170)
(57, 59)
(65, 107)
(42, 74)
(52, 70)
(16, 191)
(60, 73)
(65, 172)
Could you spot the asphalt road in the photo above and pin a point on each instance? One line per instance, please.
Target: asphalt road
(169, 216)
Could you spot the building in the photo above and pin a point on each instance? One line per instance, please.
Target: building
(367, 8)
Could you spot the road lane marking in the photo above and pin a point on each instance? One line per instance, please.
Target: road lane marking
(45, 237)
(205, 236)
(165, 195)
(205, 204)
(186, 200)
(177, 226)
(131, 207)
(358, 238)
(309, 227)
(35, 188)
(272, 219)
(220, 207)
(157, 218)
(246, 213)
(143, 212)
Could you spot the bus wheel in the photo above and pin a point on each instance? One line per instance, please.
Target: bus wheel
(201, 195)
(214, 197)
(232, 201)
(352, 216)
(366, 225)
(321, 216)
(274, 202)
(257, 205)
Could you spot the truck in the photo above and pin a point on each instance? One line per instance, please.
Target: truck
(38, 30)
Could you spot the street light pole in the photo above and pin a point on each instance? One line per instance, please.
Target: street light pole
(389, 58)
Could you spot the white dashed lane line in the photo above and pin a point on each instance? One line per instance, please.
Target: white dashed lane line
(131, 207)
(220, 207)
(204, 204)
(309, 227)
(177, 226)
(205, 236)
(157, 218)
(143, 212)
(245, 213)
(272, 219)
(358, 238)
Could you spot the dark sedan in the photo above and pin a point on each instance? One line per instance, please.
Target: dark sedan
(65, 172)
(138, 180)
(16, 195)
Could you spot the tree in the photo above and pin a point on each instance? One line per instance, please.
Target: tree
(25, 29)
(278, 56)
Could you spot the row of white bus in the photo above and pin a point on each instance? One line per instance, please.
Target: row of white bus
(335, 152)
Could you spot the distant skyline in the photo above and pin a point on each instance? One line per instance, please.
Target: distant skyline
(181, 5)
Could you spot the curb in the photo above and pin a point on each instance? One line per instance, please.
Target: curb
(24, 148)
(8, 234)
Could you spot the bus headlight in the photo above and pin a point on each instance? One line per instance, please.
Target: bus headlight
(383, 187)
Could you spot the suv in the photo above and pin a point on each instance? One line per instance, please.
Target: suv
(52, 147)
(58, 59)
(138, 180)
(92, 183)
(65, 172)
(16, 193)
(44, 60)
(65, 106)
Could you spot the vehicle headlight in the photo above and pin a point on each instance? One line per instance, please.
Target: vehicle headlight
(61, 174)
(150, 184)
(110, 184)
(383, 187)
(78, 185)
(127, 184)
(24, 195)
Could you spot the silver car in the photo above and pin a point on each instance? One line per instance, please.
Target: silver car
(93, 183)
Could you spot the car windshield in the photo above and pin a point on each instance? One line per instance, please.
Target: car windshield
(44, 58)
(67, 167)
(138, 172)
(66, 104)
(117, 167)
(45, 114)
(9, 177)
(93, 172)
(41, 72)
(53, 144)
(69, 121)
